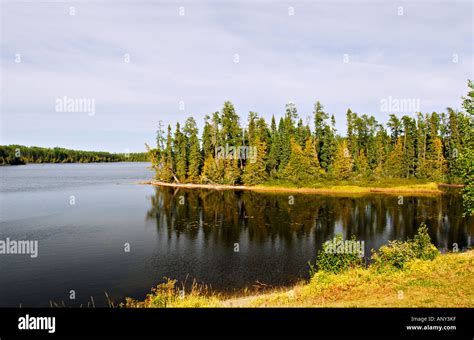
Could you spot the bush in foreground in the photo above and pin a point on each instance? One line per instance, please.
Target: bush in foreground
(397, 253)
(331, 260)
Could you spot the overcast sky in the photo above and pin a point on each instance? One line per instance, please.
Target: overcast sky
(192, 58)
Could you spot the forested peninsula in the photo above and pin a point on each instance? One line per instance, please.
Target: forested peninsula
(288, 152)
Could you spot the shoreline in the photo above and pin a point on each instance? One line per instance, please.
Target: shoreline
(440, 282)
(423, 189)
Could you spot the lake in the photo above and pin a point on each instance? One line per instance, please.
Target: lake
(86, 216)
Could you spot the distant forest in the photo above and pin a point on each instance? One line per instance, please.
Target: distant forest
(19, 154)
(436, 147)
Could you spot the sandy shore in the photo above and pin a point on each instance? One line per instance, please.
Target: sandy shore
(428, 189)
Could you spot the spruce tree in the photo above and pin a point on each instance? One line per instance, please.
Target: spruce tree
(342, 162)
(303, 166)
(230, 132)
(275, 149)
(180, 153)
(193, 150)
(208, 148)
(255, 169)
(394, 166)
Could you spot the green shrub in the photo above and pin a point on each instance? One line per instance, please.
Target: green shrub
(162, 295)
(398, 253)
(422, 246)
(336, 262)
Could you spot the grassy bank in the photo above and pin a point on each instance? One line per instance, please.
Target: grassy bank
(445, 281)
(397, 187)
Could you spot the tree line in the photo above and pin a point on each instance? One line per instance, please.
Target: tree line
(432, 146)
(19, 154)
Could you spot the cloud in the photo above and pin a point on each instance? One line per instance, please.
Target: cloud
(190, 58)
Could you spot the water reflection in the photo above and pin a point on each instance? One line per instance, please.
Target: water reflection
(271, 231)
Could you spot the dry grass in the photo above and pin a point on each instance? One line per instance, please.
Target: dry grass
(426, 188)
(447, 281)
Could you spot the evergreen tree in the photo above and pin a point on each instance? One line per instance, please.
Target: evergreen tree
(207, 145)
(275, 148)
(421, 170)
(231, 171)
(324, 136)
(285, 143)
(193, 150)
(342, 162)
(363, 164)
(394, 165)
(212, 171)
(437, 162)
(351, 143)
(255, 169)
(252, 126)
(409, 139)
(301, 133)
(231, 131)
(311, 159)
(180, 153)
(382, 141)
(302, 166)
(395, 128)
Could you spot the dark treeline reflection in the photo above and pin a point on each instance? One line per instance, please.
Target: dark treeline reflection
(277, 238)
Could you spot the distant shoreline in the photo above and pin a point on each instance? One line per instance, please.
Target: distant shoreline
(428, 188)
(104, 162)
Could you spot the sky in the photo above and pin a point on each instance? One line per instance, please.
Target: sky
(142, 62)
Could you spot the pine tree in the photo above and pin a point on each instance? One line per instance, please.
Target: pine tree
(212, 171)
(255, 169)
(252, 126)
(363, 164)
(275, 149)
(311, 159)
(180, 153)
(342, 162)
(395, 128)
(193, 150)
(231, 132)
(437, 162)
(301, 133)
(207, 145)
(231, 171)
(409, 139)
(319, 117)
(351, 136)
(302, 166)
(285, 143)
(394, 166)
(163, 161)
(263, 133)
(381, 146)
(421, 145)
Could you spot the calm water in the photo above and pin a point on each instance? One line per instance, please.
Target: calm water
(81, 245)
